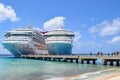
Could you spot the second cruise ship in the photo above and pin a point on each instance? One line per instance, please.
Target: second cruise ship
(59, 42)
(25, 41)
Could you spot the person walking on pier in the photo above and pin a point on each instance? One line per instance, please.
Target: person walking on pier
(90, 53)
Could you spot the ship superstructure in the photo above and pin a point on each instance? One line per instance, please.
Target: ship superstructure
(25, 41)
(59, 42)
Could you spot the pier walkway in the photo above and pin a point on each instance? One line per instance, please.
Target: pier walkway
(111, 60)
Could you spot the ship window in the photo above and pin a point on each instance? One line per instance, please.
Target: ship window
(18, 34)
(29, 33)
(25, 46)
(7, 35)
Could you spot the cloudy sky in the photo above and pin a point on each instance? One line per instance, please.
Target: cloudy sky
(96, 24)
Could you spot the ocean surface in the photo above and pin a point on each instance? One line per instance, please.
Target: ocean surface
(30, 69)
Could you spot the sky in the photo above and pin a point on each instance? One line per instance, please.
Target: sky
(95, 23)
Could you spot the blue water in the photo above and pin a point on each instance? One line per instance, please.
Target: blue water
(30, 69)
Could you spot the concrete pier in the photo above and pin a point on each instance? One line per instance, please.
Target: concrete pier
(111, 60)
(88, 60)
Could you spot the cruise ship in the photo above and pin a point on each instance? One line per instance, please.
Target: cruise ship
(25, 41)
(59, 42)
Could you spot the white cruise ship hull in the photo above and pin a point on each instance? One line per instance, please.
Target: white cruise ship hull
(18, 49)
(59, 48)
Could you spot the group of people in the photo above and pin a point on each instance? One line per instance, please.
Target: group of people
(109, 54)
(114, 53)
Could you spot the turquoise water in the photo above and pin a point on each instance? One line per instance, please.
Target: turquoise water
(30, 69)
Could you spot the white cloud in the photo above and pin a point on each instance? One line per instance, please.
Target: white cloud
(106, 28)
(7, 12)
(77, 44)
(77, 36)
(115, 40)
(93, 29)
(55, 23)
